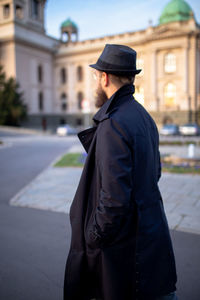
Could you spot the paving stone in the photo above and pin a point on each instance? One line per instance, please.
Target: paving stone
(169, 207)
(188, 210)
(173, 219)
(190, 224)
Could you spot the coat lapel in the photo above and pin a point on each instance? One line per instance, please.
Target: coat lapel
(104, 112)
(86, 137)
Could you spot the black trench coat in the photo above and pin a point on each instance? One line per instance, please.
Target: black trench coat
(120, 245)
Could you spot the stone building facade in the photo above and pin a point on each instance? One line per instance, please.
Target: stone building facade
(57, 81)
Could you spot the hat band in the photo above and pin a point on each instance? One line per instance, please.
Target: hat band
(105, 65)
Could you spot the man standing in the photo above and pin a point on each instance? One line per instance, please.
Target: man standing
(120, 246)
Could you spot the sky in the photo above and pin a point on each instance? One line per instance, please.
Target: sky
(97, 18)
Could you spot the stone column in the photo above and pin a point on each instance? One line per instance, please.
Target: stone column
(153, 73)
(87, 81)
(197, 85)
(72, 97)
(87, 92)
(186, 71)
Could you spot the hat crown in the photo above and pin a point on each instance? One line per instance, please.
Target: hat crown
(118, 59)
(119, 55)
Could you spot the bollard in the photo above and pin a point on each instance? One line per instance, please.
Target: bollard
(191, 149)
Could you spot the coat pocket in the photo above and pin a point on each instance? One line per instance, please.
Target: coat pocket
(92, 235)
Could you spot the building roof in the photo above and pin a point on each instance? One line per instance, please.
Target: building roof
(176, 10)
(69, 23)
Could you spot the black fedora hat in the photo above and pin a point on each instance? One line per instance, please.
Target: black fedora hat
(118, 60)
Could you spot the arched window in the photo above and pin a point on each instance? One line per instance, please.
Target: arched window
(170, 94)
(170, 63)
(40, 74)
(80, 98)
(167, 120)
(79, 73)
(63, 75)
(40, 101)
(139, 94)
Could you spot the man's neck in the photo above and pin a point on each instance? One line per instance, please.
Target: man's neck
(112, 89)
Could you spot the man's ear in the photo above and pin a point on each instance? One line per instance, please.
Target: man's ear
(105, 79)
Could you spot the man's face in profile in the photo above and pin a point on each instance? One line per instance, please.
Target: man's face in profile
(100, 95)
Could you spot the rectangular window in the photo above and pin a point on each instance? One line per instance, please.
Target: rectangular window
(63, 75)
(35, 9)
(19, 12)
(6, 11)
(80, 73)
(170, 63)
(40, 101)
(40, 74)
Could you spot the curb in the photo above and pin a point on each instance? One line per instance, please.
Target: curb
(5, 145)
(24, 130)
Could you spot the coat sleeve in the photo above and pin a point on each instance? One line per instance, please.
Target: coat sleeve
(115, 161)
(159, 166)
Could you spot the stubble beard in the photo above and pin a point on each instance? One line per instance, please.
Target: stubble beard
(100, 97)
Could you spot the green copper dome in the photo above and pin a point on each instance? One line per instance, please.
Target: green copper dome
(176, 10)
(69, 23)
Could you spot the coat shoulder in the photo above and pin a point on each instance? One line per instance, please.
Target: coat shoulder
(132, 117)
(113, 126)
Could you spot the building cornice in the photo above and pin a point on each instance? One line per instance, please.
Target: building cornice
(26, 43)
(29, 26)
(135, 39)
(38, 30)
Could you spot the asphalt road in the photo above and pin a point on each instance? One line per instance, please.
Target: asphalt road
(34, 243)
(25, 157)
(31, 250)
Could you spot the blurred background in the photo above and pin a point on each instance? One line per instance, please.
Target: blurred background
(46, 98)
(50, 64)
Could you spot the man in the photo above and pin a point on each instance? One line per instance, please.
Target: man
(120, 246)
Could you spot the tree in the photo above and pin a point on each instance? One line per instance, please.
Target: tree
(12, 107)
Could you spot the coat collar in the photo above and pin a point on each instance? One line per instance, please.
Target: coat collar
(103, 112)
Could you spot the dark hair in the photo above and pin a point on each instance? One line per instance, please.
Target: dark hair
(119, 79)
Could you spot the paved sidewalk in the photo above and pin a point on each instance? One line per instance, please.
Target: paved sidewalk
(55, 188)
(180, 151)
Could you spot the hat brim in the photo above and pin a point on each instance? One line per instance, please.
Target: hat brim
(116, 71)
